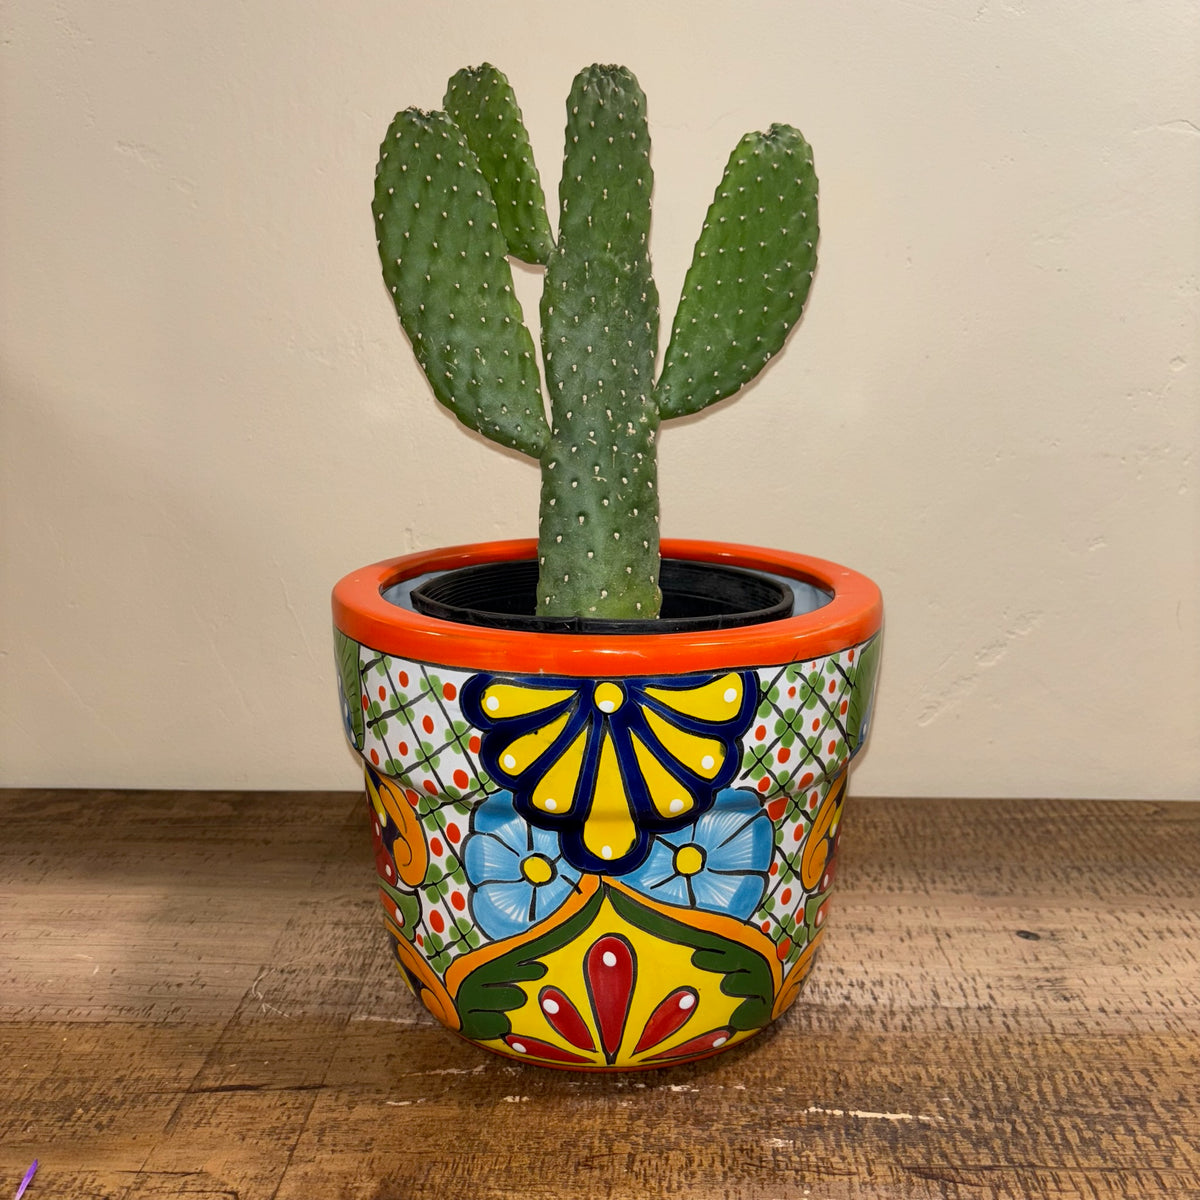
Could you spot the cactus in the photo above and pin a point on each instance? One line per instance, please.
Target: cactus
(457, 191)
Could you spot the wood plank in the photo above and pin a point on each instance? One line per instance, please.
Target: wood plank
(195, 1000)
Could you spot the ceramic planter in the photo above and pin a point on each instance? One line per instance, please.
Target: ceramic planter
(606, 851)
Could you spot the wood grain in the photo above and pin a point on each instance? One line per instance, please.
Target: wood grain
(196, 1001)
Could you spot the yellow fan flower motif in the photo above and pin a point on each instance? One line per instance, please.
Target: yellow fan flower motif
(608, 763)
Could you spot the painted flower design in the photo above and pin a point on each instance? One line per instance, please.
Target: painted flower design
(517, 871)
(718, 863)
(607, 764)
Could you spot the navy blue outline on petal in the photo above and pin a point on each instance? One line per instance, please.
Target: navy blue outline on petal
(583, 715)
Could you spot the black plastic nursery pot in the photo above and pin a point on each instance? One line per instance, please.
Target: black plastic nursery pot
(606, 846)
(696, 597)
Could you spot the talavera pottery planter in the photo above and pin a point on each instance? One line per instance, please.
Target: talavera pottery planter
(606, 851)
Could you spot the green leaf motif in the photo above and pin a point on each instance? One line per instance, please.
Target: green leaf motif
(490, 991)
(746, 973)
(866, 672)
(346, 654)
(408, 905)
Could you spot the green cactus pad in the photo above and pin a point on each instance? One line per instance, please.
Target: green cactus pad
(598, 540)
(481, 103)
(445, 262)
(750, 273)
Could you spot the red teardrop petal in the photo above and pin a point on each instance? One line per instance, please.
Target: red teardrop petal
(564, 1018)
(668, 1018)
(535, 1048)
(714, 1039)
(609, 969)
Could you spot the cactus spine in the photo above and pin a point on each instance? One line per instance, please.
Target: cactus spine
(458, 191)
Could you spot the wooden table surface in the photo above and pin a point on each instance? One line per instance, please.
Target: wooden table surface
(196, 1001)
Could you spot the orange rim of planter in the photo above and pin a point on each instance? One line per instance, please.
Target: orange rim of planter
(853, 615)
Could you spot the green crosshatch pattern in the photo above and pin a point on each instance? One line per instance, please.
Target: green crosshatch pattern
(800, 734)
(795, 753)
(790, 914)
(415, 733)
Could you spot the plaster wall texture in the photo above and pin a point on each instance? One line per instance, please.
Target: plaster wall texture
(209, 412)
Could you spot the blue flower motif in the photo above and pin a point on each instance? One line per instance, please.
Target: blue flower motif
(517, 872)
(718, 863)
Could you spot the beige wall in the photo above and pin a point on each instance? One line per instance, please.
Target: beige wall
(209, 413)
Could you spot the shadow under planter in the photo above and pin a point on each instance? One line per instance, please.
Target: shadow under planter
(606, 849)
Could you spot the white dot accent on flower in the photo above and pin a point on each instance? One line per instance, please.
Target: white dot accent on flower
(730, 695)
(707, 762)
(609, 958)
(686, 1001)
(607, 706)
(508, 761)
(550, 803)
(719, 1042)
(606, 852)
(550, 1006)
(492, 703)
(676, 805)
(518, 1047)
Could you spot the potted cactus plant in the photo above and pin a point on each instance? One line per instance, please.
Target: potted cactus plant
(605, 774)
